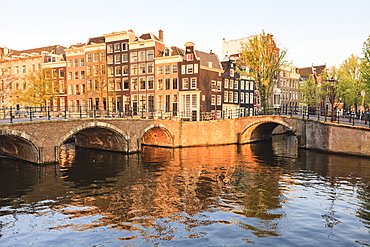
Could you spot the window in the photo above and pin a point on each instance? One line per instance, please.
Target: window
(174, 68)
(141, 56)
(117, 58)
(189, 69)
(241, 84)
(124, 46)
(110, 84)
(219, 83)
(117, 47)
(95, 57)
(142, 68)
(142, 82)
(110, 71)
(82, 72)
(75, 62)
(167, 69)
(232, 72)
(185, 83)
(118, 70)
(125, 57)
(118, 84)
(88, 58)
(125, 69)
(61, 73)
(226, 85)
(218, 99)
(134, 69)
(88, 70)
(24, 69)
(102, 56)
(226, 96)
(213, 99)
(231, 96)
(189, 57)
(160, 84)
(133, 57)
(82, 62)
(150, 55)
(69, 75)
(159, 70)
(193, 83)
(241, 97)
(235, 97)
(150, 68)
(110, 48)
(174, 83)
(69, 63)
(168, 83)
(110, 59)
(125, 83)
(150, 82)
(134, 84)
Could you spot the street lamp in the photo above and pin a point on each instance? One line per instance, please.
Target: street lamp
(332, 82)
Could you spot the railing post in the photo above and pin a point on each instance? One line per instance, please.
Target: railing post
(31, 114)
(11, 115)
(80, 111)
(48, 111)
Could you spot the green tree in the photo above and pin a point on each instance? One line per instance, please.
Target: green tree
(349, 80)
(263, 60)
(365, 65)
(309, 90)
(38, 88)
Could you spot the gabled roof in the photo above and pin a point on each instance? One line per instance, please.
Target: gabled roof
(96, 40)
(206, 58)
(305, 72)
(55, 49)
(147, 36)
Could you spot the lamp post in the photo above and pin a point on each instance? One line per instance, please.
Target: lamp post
(332, 82)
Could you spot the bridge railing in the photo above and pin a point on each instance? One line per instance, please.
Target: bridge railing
(10, 115)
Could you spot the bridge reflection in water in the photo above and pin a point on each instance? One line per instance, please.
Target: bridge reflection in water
(263, 193)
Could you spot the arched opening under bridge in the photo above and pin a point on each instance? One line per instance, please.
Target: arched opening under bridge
(157, 136)
(18, 147)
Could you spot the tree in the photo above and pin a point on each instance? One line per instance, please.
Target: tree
(263, 60)
(38, 88)
(99, 87)
(350, 81)
(309, 90)
(365, 64)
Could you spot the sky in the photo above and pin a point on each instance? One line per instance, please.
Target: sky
(314, 32)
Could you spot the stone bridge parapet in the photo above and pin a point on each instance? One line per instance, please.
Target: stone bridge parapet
(40, 141)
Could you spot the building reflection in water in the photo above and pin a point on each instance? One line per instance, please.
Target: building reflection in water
(161, 193)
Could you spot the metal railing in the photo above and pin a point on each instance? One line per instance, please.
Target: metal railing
(10, 115)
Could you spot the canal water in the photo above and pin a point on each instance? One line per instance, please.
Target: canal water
(263, 194)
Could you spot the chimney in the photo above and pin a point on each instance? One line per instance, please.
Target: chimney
(160, 35)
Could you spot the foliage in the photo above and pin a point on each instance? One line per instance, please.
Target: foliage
(365, 65)
(349, 79)
(38, 88)
(98, 84)
(309, 90)
(263, 60)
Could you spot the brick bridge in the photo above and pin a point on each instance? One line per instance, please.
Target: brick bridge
(40, 141)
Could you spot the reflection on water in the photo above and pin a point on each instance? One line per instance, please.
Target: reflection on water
(261, 194)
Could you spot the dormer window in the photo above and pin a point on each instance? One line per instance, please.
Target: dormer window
(189, 57)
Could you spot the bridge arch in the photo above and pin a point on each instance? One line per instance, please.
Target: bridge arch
(99, 135)
(156, 135)
(263, 130)
(19, 145)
